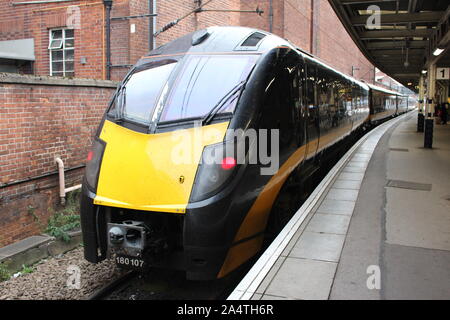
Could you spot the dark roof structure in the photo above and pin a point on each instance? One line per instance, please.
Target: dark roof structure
(401, 37)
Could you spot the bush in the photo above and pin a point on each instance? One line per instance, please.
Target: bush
(4, 273)
(66, 219)
(26, 269)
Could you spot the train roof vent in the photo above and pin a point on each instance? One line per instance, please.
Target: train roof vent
(199, 37)
(252, 41)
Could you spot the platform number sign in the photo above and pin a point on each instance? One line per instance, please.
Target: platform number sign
(442, 73)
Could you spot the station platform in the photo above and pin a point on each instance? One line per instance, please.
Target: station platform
(377, 226)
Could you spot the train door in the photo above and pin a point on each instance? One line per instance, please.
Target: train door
(328, 104)
(344, 105)
(301, 109)
(397, 105)
(282, 107)
(312, 116)
(355, 106)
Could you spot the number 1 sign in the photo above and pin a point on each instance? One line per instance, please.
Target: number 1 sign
(442, 73)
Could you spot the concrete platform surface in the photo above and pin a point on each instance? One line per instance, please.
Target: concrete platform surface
(380, 231)
(23, 245)
(35, 248)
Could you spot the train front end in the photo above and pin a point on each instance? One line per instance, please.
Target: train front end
(158, 173)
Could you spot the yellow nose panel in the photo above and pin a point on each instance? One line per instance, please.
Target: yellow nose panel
(153, 172)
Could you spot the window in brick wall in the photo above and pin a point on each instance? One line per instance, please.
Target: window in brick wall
(61, 51)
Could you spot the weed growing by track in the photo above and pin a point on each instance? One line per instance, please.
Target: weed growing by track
(66, 219)
(4, 273)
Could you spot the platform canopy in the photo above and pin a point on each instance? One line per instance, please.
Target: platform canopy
(401, 37)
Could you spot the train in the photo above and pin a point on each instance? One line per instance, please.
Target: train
(199, 139)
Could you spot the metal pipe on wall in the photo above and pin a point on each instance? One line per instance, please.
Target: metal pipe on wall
(150, 25)
(45, 175)
(270, 16)
(38, 2)
(62, 182)
(155, 11)
(311, 31)
(108, 6)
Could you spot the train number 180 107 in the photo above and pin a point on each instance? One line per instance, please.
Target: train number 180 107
(129, 262)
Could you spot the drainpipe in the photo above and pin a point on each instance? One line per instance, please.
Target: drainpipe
(151, 29)
(154, 22)
(270, 16)
(108, 6)
(311, 29)
(62, 183)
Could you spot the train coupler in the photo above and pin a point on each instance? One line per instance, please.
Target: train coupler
(134, 244)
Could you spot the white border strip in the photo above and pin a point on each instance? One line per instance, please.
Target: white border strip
(250, 283)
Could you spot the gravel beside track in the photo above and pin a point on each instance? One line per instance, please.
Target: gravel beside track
(49, 278)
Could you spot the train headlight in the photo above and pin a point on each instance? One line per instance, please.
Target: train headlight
(93, 163)
(116, 235)
(215, 170)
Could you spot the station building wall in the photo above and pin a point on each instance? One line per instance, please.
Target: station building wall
(313, 26)
(42, 118)
(35, 21)
(310, 24)
(127, 44)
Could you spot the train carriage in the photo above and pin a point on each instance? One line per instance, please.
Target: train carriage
(151, 194)
(402, 103)
(383, 104)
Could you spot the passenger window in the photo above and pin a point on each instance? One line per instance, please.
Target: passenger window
(137, 97)
(204, 82)
(278, 109)
(326, 98)
(342, 101)
(312, 116)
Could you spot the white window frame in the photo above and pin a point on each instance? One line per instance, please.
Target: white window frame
(62, 48)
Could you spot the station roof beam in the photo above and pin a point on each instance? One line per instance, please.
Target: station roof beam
(402, 42)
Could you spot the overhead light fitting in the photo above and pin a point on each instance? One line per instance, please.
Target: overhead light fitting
(438, 52)
(424, 71)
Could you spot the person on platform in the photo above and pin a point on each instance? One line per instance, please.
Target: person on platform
(444, 113)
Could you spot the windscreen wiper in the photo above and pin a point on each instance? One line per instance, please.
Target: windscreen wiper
(211, 114)
(121, 93)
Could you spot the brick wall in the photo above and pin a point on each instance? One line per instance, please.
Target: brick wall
(40, 119)
(336, 47)
(313, 26)
(129, 47)
(34, 21)
(253, 20)
(170, 10)
(120, 40)
(292, 19)
(297, 27)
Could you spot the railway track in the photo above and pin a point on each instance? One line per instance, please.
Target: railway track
(158, 284)
(105, 291)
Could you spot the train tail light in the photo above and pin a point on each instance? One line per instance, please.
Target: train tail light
(228, 163)
(90, 156)
(216, 169)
